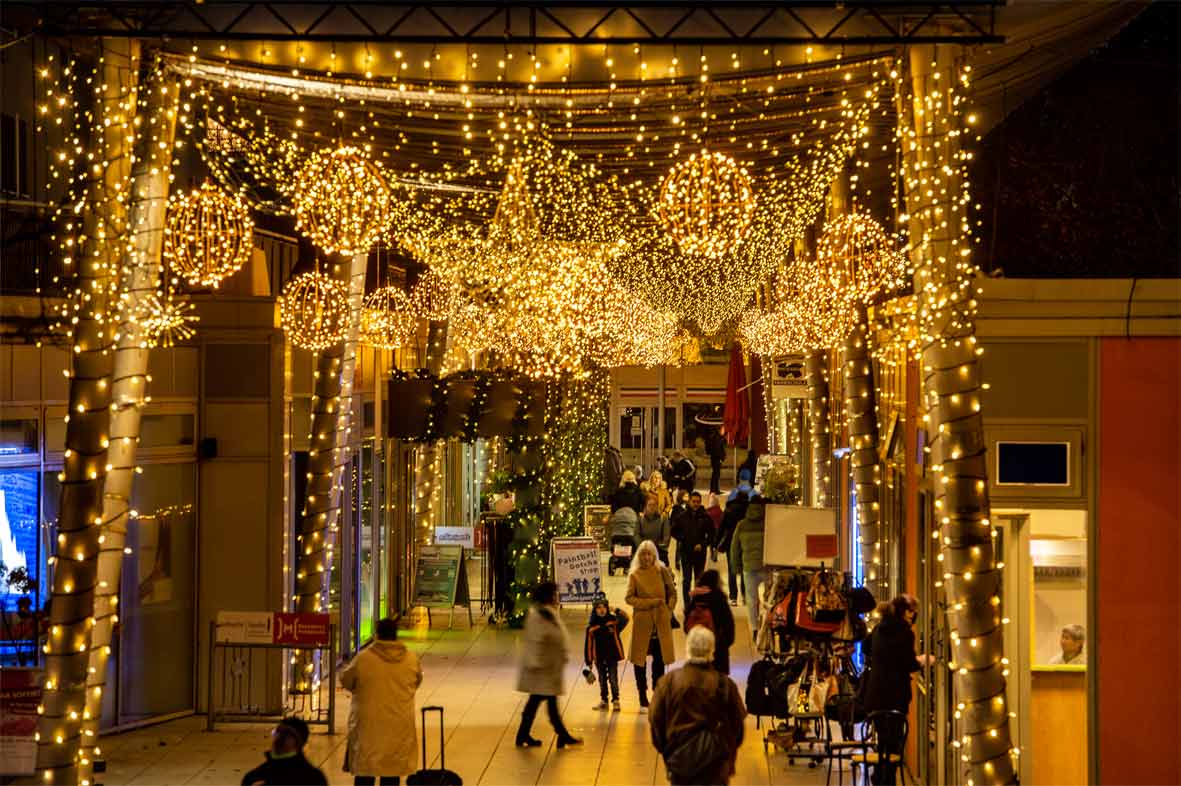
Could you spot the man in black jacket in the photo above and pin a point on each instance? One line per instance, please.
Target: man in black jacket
(694, 531)
(285, 764)
(684, 475)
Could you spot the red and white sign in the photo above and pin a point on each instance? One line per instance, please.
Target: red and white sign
(20, 693)
(266, 627)
(821, 546)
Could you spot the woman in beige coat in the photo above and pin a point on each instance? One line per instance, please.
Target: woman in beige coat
(652, 594)
(544, 652)
(382, 678)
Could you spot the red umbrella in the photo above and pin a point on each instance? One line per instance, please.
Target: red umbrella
(736, 417)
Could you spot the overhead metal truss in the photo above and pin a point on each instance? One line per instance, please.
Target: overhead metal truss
(652, 22)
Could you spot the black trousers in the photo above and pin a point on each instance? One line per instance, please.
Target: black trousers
(715, 475)
(530, 712)
(371, 780)
(608, 677)
(735, 578)
(692, 566)
(890, 742)
(657, 669)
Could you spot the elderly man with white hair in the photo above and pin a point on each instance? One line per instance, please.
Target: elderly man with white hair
(697, 717)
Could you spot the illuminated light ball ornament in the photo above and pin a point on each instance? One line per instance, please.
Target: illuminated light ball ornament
(314, 310)
(342, 201)
(706, 204)
(208, 235)
(388, 320)
(860, 259)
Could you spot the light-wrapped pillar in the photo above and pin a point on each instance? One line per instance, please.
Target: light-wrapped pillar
(331, 410)
(97, 254)
(934, 125)
(818, 426)
(862, 415)
(138, 280)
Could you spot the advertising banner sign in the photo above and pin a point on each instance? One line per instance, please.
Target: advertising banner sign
(456, 536)
(20, 693)
(577, 569)
(437, 577)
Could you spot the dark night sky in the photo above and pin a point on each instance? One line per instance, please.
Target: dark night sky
(1082, 180)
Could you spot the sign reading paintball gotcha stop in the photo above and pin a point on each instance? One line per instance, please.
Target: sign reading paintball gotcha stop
(577, 570)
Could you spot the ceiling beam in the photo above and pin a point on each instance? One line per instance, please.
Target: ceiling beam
(572, 22)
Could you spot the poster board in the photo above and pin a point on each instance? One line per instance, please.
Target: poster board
(456, 536)
(20, 695)
(577, 569)
(595, 520)
(796, 536)
(440, 581)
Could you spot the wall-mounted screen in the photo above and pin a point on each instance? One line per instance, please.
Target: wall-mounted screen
(1033, 463)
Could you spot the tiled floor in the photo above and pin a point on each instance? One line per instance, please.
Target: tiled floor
(471, 672)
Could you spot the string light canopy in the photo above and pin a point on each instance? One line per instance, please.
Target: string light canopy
(388, 320)
(314, 310)
(342, 201)
(208, 235)
(706, 204)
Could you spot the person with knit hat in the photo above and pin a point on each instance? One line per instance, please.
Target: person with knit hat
(286, 764)
(697, 717)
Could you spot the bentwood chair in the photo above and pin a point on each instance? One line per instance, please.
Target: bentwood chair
(891, 725)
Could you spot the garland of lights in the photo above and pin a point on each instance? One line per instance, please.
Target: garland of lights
(208, 235)
(706, 204)
(388, 320)
(314, 310)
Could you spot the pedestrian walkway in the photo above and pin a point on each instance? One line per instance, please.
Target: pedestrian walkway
(472, 673)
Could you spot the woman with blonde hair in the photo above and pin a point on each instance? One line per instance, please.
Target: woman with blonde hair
(656, 486)
(652, 594)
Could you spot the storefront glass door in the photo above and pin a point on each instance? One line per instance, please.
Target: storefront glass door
(639, 435)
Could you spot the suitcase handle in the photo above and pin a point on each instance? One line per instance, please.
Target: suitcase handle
(442, 743)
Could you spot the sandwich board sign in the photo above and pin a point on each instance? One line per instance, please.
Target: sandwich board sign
(577, 569)
(440, 580)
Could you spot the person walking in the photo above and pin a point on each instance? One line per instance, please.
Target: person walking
(715, 447)
(652, 594)
(544, 652)
(746, 556)
(285, 763)
(684, 472)
(697, 718)
(735, 511)
(655, 485)
(694, 531)
(628, 495)
(383, 678)
(603, 650)
(654, 526)
(892, 660)
(708, 604)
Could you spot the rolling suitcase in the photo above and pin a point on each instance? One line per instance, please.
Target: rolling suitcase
(441, 776)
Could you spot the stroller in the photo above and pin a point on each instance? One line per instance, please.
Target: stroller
(622, 549)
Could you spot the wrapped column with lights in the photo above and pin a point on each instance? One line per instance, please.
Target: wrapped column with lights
(861, 411)
(331, 405)
(139, 277)
(818, 425)
(934, 129)
(96, 255)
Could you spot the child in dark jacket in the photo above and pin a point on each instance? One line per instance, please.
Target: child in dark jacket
(603, 650)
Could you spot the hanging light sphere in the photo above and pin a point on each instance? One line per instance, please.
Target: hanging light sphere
(706, 204)
(342, 201)
(314, 311)
(207, 235)
(859, 259)
(388, 319)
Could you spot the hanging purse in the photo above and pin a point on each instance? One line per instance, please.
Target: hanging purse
(805, 621)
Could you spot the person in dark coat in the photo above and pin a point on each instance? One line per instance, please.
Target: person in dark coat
(715, 448)
(694, 531)
(684, 472)
(708, 593)
(628, 495)
(286, 764)
(603, 650)
(750, 464)
(612, 471)
(892, 660)
(735, 512)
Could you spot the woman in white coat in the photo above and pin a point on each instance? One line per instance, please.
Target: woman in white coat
(544, 652)
(382, 678)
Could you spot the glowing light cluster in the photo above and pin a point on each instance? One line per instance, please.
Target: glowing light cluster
(314, 310)
(706, 203)
(856, 257)
(342, 201)
(388, 319)
(208, 235)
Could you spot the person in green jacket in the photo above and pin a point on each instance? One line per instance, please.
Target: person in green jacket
(746, 556)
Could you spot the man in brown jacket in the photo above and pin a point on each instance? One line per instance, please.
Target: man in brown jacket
(697, 717)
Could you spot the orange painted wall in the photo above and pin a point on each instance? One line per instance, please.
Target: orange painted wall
(1138, 592)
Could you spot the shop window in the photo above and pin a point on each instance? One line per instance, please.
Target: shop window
(18, 437)
(1059, 634)
(23, 558)
(166, 431)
